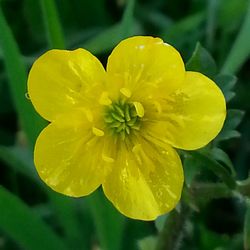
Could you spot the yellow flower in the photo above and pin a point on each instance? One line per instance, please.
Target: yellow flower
(117, 128)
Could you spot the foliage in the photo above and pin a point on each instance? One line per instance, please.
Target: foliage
(212, 211)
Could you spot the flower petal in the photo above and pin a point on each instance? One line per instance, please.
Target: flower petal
(59, 78)
(146, 181)
(147, 63)
(192, 116)
(68, 156)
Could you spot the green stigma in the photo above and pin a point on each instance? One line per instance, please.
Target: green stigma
(122, 118)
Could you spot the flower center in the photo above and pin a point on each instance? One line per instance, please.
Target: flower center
(123, 118)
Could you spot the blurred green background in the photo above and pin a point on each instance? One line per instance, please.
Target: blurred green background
(32, 216)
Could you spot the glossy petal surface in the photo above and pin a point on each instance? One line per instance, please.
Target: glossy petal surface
(68, 156)
(146, 66)
(146, 180)
(192, 116)
(60, 80)
(118, 128)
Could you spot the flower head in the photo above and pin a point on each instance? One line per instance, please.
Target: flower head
(118, 128)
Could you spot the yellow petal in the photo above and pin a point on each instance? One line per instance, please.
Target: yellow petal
(193, 115)
(146, 65)
(68, 157)
(61, 79)
(146, 181)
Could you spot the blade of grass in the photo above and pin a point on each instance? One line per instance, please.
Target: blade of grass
(247, 226)
(63, 206)
(65, 211)
(12, 157)
(240, 50)
(174, 34)
(18, 220)
(52, 24)
(20, 160)
(212, 16)
(107, 39)
(109, 222)
(128, 18)
(31, 123)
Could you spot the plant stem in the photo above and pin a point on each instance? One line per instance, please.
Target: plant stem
(174, 227)
(172, 233)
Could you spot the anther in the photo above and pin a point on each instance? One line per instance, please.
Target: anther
(104, 99)
(97, 131)
(107, 159)
(158, 107)
(139, 109)
(126, 92)
(89, 115)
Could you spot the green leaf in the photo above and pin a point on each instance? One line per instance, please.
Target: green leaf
(19, 159)
(148, 243)
(233, 119)
(211, 240)
(52, 24)
(247, 226)
(109, 222)
(31, 122)
(180, 31)
(226, 84)
(240, 50)
(192, 167)
(160, 221)
(221, 156)
(202, 61)
(107, 39)
(218, 169)
(18, 221)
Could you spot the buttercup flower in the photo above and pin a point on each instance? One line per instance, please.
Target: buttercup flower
(118, 128)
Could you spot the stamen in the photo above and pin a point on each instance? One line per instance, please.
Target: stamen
(136, 150)
(104, 99)
(158, 107)
(97, 131)
(89, 115)
(126, 92)
(139, 109)
(107, 159)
